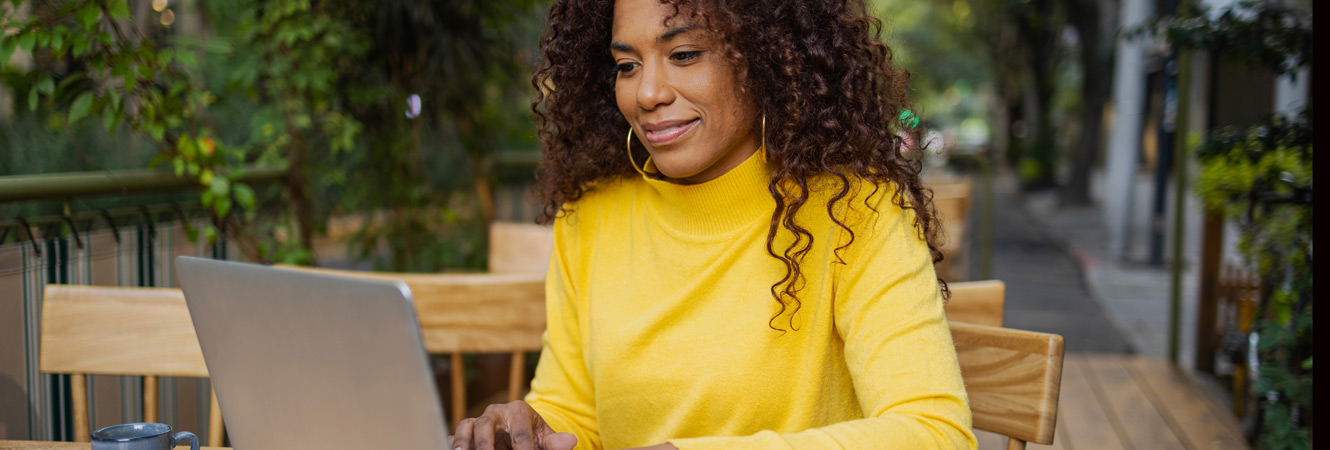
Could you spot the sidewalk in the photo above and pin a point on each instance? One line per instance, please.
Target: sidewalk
(1045, 290)
(1134, 294)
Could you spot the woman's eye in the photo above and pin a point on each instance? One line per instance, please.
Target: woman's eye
(623, 68)
(684, 56)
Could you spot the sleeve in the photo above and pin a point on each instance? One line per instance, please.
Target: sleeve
(561, 391)
(889, 313)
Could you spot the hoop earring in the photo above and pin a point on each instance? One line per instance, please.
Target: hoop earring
(630, 153)
(763, 148)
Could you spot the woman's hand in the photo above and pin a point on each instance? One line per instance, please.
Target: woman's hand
(510, 426)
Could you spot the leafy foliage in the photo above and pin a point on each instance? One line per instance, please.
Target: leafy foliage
(1265, 33)
(318, 87)
(1262, 179)
(98, 65)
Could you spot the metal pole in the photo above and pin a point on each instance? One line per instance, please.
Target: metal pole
(23, 188)
(986, 218)
(1179, 191)
(1124, 141)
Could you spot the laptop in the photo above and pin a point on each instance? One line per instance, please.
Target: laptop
(311, 361)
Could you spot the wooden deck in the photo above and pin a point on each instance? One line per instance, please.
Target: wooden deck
(1128, 402)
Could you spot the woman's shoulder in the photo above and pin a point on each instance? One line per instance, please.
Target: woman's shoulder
(599, 199)
(868, 208)
(852, 194)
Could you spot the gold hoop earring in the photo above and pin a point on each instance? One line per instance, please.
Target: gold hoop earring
(763, 148)
(630, 153)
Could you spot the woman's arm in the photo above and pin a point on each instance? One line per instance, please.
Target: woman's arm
(560, 406)
(562, 392)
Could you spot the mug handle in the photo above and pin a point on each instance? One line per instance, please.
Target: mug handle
(185, 436)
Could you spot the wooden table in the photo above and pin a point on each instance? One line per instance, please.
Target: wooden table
(35, 445)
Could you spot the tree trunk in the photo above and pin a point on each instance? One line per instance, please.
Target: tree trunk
(297, 190)
(1096, 82)
(1041, 31)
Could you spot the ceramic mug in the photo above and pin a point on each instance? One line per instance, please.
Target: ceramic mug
(141, 436)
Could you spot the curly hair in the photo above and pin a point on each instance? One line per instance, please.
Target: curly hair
(816, 69)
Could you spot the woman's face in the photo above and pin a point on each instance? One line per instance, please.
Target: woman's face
(679, 93)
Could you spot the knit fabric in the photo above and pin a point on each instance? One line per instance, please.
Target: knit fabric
(660, 323)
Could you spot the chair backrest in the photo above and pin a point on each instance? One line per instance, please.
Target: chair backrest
(473, 313)
(1013, 378)
(107, 330)
(977, 302)
(520, 248)
(952, 200)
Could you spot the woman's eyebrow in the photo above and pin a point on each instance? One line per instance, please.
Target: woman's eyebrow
(675, 32)
(664, 37)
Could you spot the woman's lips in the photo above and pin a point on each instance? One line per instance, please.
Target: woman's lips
(666, 135)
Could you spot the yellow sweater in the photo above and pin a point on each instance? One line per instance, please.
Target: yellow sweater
(658, 302)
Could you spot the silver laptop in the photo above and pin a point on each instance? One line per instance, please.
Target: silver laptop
(311, 361)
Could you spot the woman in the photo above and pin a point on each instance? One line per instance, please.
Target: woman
(754, 268)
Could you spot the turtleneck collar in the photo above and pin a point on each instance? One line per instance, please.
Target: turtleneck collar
(727, 203)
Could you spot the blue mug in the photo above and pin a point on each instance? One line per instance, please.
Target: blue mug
(141, 436)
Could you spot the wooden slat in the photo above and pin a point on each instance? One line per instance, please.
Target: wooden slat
(1084, 417)
(1060, 441)
(520, 248)
(1144, 427)
(471, 313)
(977, 302)
(118, 330)
(1012, 378)
(78, 386)
(516, 376)
(216, 429)
(458, 370)
(1186, 406)
(150, 399)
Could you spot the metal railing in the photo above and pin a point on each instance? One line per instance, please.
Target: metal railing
(128, 246)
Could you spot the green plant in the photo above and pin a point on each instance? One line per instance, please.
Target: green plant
(318, 87)
(93, 63)
(1261, 178)
(1271, 34)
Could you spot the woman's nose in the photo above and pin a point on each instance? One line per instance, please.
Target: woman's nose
(655, 89)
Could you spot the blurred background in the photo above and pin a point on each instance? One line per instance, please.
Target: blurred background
(1138, 172)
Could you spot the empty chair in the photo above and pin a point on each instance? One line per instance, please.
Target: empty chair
(520, 248)
(977, 302)
(101, 330)
(952, 200)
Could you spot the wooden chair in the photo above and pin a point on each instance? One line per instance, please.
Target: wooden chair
(977, 302)
(520, 248)
(473, 313)
(952, 200)
(1013, 378)
(101, 330)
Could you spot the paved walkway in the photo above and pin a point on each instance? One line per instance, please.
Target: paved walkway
(1134, 294)
(1045, 289)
